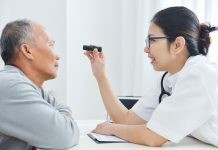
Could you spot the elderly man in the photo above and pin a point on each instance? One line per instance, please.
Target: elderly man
(30, 117)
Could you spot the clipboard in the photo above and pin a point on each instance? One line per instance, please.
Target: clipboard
(99, 138)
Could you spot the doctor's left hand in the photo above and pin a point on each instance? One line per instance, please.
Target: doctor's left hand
(104, 128)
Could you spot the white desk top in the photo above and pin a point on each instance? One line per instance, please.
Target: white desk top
(87, 143)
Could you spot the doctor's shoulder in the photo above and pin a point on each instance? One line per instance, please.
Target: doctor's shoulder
(199, 67)
(199, 64)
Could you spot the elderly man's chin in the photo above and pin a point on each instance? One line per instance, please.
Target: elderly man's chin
(53, 74)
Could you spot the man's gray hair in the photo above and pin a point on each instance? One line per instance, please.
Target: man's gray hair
(13, 35)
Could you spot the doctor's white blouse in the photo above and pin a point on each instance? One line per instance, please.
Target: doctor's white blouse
(192, 108)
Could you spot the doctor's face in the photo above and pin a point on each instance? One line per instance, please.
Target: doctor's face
(158, 49)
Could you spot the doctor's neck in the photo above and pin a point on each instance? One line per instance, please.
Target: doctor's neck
(177, 65)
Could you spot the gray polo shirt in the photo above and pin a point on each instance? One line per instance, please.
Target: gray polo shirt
(31, 117)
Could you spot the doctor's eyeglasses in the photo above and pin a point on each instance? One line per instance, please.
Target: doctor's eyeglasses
(151, 38)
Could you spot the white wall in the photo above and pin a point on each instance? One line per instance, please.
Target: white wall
(91, 22)
(119, 26)
(74, 23)
(97, 22)
(51, 13)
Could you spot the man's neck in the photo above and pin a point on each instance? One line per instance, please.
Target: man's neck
(31, 74)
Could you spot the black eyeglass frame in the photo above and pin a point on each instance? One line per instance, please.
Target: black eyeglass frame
(149, 38)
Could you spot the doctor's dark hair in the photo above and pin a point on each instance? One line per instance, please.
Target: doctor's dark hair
(180, 21)
(13, 35)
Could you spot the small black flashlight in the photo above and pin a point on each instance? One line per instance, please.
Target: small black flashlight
(91, 48)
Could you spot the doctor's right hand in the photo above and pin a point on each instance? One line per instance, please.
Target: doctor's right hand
(97, 61)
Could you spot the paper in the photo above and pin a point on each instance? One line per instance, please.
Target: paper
(99, 138)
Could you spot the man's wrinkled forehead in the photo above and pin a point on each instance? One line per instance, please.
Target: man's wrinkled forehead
(41, 31)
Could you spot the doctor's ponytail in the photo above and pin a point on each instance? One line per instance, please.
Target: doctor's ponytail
(204, 37)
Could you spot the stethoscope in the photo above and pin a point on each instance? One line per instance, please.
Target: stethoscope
(163, 92)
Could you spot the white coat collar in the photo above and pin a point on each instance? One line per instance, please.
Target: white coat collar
(171, 79)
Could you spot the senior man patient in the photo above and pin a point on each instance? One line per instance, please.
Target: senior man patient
(30, 118)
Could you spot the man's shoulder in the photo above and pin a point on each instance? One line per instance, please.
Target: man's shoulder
(9, 74)
(11, 77)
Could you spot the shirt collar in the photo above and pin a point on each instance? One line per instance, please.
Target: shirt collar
(171, 79)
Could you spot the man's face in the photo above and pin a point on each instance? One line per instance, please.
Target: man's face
(45, 61)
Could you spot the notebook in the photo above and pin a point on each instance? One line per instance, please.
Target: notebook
(99, 138)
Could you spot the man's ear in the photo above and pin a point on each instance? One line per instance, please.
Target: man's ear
(26, 51)
(178, 45)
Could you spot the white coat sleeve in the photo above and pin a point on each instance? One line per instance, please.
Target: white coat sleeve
(147, 104)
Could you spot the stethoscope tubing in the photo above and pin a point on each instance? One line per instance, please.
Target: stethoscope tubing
(163, 91)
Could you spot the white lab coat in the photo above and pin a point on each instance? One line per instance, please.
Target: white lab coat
(192, 108)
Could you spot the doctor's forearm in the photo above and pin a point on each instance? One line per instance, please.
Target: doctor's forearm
(115, 109)
(138, 134)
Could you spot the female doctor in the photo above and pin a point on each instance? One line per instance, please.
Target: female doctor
(186, 100)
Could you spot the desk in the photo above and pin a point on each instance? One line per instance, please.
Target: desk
(87, 143)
